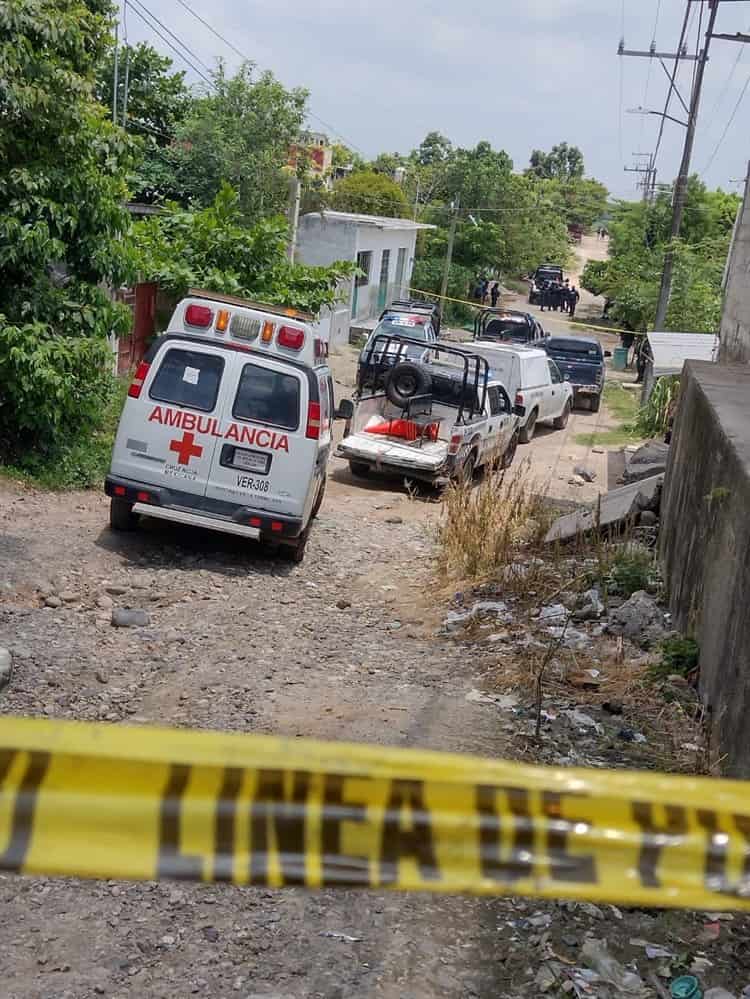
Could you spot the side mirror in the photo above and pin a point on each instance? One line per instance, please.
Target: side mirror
(345, 410)
(519, 410)
(607, 353)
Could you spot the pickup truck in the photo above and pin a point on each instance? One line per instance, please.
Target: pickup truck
(581, 362)
(545, 272)
(434, 420)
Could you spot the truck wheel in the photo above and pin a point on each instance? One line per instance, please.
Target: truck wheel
(121, 516)
(467, 468)
(526, 433)
(510, 452)
(560, 422)
(405, 381)
(596, 401)
(359, 468)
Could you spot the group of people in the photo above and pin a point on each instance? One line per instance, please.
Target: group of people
(602, 233)
(560, 295)
(486, 290)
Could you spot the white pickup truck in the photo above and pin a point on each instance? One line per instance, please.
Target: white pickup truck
(434, 420)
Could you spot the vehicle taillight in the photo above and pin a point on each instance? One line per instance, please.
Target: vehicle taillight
(222, 320)
(143, 497)
(277, 526)
(119, 490)
(313, 421)
(198, 315)
(290, 337)
(455, 444)
(255, 522)
(519, 399)
(138, 379)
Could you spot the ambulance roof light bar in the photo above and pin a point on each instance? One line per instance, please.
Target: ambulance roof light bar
(246, 303)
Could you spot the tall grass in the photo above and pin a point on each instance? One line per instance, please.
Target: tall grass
(485, 528)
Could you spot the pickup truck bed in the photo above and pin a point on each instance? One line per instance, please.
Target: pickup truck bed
(427, 459)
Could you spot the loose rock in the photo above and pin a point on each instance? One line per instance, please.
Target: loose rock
(124, 618)
(587, 474)
(394, 520)
(53, 601)
(639, 619)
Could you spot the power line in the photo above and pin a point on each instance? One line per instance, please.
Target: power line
(685, 27)
(727, 126)
(247, 58)
(166, 41)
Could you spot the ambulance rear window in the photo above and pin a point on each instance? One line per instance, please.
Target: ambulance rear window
(188, 378)
(268, 397)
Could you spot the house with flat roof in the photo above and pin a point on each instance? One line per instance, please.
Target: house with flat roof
(383, 249)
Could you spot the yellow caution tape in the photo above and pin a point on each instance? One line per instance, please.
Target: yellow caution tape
(447, 298)
(107, 801)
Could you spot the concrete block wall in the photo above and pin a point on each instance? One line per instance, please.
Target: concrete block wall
(705, 545)
(734, 335)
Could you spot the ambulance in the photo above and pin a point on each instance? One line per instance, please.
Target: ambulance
(227, 424)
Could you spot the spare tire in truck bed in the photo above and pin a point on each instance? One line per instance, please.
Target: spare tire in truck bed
(405, 381)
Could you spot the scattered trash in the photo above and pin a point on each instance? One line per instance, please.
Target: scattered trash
(596, 955)
(719, 993)
(582, 720)
(653, 951)
(339, 936)
(571, 639)
(639, 619)
(587, 679)
(612, 707)
(553, 612)
(709, 933)
(686, 987)
(628, 735)
(456, 620)
(589, 607)
(504, 701)
(6, 668)
(124, 618)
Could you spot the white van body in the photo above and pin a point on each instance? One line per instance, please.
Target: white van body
(227, 424)
(533, 382)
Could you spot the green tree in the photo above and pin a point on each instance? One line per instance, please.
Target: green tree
(214, 248)
(158, 101)
(241, 134)
(370, 193)
(563, 162)
(158, 98)
(62, 187)
(434, 148)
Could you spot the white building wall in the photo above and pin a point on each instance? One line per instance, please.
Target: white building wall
(370, 238)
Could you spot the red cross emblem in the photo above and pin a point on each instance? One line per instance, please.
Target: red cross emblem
(186, 448)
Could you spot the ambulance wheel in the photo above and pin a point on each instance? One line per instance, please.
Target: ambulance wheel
(296, 552)
(121, 516)
(359, 468)
(318, 500)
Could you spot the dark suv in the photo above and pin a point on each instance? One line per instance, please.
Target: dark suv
(416, 306)
(507, 326)
(545, 272)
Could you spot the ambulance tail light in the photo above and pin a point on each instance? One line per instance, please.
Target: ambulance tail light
(313, 421)
(138, 379)
(290, 337)
(198, 315)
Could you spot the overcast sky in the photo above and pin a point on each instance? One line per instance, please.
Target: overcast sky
(522, 76)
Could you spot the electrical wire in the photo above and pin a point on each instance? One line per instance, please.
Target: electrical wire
(726, 127)
(644, 102)
(242, 55)
(689, 11)
(622, 70)
(185, 59)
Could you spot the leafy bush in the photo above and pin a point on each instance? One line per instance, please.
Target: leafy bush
(213, 249)
(625, 569)
(679, 655)
(79, 461)
(652, 420)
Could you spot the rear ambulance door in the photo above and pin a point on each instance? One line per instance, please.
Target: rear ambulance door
(165, 433)
(266, 457)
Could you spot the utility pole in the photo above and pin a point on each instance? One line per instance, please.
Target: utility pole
(680, 189)
(295, 189)
(416, 200)
(115, 80)
(125, 94)
(449, 250)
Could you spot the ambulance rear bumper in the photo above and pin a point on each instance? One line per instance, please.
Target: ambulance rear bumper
(200, 511)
